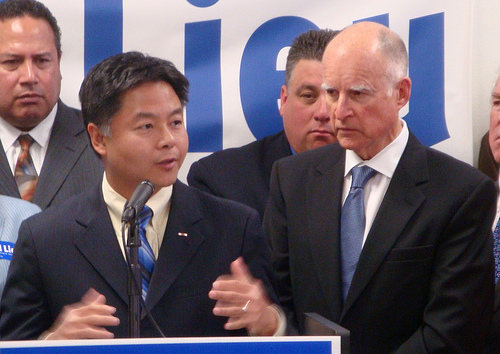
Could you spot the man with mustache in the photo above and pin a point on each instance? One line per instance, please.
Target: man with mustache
(58, 160)
(242, 174)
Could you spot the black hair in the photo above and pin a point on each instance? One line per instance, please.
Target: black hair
(104, 85)
(10, 9)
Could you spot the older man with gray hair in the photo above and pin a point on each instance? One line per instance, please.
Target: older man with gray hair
(388, 238)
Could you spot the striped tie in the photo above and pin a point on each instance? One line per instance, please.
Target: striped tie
(146, 255)
(25, 173)
(352, 226)
(496, 250)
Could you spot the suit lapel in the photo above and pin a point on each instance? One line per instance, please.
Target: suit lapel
(63, 151)
(323, 201)
(99, 245)
(402, 195)
(8, 184)
(497, 296)
(277, 149)
(182, 239)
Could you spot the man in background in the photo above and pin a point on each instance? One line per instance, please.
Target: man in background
(379, 233)
(494, 150)
(242, 174)
(46, 155)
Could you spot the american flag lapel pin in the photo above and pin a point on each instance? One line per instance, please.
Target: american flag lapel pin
(182, 234)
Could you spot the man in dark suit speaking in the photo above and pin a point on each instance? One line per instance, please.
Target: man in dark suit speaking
(242, 174)
(45, 153)
(133, 106)
(388, 238)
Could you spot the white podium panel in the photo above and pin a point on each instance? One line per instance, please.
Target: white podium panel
(226, 345)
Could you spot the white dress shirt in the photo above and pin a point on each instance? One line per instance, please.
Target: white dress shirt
(40, 135)
(385, 163)
(498, 209)
(159, 204)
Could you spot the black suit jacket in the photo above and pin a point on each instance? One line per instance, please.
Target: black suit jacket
(67, 249)
(486, 162)
(424, 280)
(493, 346)
(70, 166)
(241, 174)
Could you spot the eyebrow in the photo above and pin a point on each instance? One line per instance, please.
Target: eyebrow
(360, 87)
(153, 115)
(145, 115)
(325, 86)
(42, 54)
(307, 87)
(11, 54)
(179, 110)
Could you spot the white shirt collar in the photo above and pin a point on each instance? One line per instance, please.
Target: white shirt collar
(386, 161)
(115, 202)
(159, 204)
(40, 133)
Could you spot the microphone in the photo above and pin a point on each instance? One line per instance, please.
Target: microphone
(140, 196)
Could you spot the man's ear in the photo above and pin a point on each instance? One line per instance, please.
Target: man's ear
(283, 98)
(404, 91)
(97, 139)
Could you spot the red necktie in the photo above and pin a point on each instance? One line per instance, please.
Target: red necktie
(25, 173)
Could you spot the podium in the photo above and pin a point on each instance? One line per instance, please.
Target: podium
(317, 325)
(199, 345)
(323, 337)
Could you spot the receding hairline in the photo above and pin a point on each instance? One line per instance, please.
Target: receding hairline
(387, 43)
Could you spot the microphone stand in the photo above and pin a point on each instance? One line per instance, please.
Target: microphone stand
(134, 279)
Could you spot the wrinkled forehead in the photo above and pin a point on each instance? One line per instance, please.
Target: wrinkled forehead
(356, 65)
(305, 69)
(21, 32)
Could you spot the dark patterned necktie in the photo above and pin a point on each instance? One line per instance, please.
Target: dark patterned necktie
(496, 250)
(146, 255)
(352, 225)
(25, 173)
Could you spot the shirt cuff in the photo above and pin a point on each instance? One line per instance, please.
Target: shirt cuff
(281, 320)
(45, 335)
(280, 331)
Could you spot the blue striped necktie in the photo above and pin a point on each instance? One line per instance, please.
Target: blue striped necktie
(496, 249)
(352, 226)
(146, 255)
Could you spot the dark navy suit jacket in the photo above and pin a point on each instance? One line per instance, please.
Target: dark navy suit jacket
(424, 280)
(67, 249)
(241, 174)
